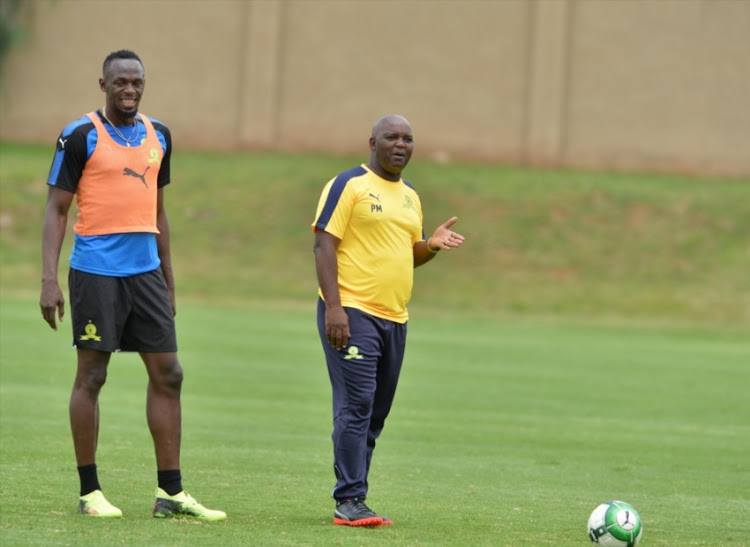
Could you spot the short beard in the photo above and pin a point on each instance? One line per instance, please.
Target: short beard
(126, 114)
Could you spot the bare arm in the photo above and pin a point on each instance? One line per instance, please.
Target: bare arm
(51, 300)
(326, 266)
(442, 239)
(162, 246)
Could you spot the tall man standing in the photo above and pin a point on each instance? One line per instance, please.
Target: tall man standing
(368, 240)
(116, 162)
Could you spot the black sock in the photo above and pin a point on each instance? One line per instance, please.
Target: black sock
(89, 478)
(170, 481)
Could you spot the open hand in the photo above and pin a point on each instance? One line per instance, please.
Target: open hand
(445, 238)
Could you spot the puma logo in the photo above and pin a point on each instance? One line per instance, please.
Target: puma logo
(376, 197)
(128, 171)
(62, 142)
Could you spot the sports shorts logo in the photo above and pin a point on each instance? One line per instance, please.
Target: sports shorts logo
(353, 353)
(90, 333)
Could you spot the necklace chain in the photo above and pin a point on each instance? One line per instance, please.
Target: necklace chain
(133, 133)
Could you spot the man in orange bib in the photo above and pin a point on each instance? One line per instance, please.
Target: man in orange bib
(116, 163)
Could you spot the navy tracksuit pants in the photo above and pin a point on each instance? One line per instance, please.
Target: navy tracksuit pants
(364, 376)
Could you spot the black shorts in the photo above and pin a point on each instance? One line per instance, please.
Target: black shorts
(121, 313)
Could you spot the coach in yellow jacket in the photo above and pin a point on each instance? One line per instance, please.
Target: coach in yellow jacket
(368, 240)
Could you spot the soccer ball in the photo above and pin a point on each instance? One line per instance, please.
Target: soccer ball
(616, 524)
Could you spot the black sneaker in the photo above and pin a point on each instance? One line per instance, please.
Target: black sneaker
(354, 512)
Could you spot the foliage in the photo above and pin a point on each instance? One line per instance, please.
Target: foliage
(11, 31)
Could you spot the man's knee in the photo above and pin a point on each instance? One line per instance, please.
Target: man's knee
(92, 371)
(174, 376)
(165, 372)
(92, 380)
(361, 409)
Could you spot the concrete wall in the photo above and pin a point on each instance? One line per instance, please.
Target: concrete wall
(623, 84)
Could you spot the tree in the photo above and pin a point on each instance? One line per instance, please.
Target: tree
(11, 31)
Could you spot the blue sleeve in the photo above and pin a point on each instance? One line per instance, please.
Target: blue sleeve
(73, 148)
(337, 188)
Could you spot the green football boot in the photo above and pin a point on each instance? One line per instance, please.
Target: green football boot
(183, 505)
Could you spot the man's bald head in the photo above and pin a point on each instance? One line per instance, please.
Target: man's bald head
(391, 145)
(387, 122)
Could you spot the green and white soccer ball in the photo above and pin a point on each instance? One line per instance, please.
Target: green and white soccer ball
(615, 524)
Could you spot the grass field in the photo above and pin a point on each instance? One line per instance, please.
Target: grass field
(503, 433)
(590, 341)
(653, 249)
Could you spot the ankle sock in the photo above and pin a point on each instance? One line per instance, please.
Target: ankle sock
(89, 478)
(170, 480)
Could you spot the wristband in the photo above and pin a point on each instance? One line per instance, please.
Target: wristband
(436, 251)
